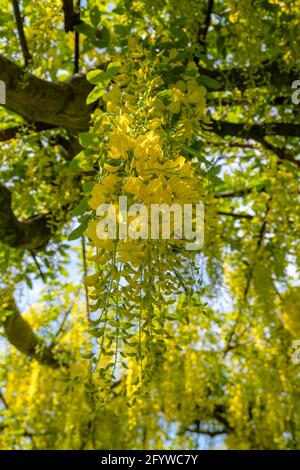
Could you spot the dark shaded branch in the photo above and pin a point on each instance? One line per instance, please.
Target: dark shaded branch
(256, 131)
(76, 57)
(72, 18)
(281, 153)
(259, 132)
(77, 40)
(11, 132)
(219, 413)
(269, 73)
(229, 346)
(204, 30)
(198, 430)
(235, 215)
(64, 105)
(232, 100)
(61, 328)
(35, 232)
(69, 146)
(36, 100)
(21, 33)
(241, 146)
(240, 192)
(69, 15)
(258, 247)
(20, 334)
(278, 151)
(38, 267)
(2, 398)
(31, 234)
(85, 272)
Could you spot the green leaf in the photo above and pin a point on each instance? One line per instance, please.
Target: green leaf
(86, 30)
(103, 37)
(87, 139)
(95, 76)
(81, 207)
(95, 16)
(112, 69)
(122, 30)
(194, 153)
(28, 282)
(77, 163)
(165, 96)
(95, 94)
(78, 232)
(87, 187)
(97, 332)
(214, 171)
(209, 82)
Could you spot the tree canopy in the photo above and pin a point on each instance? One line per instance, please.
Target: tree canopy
(140, 343)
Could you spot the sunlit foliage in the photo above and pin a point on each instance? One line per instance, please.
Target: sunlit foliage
(149, 345)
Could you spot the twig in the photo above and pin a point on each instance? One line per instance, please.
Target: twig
(280, 152)
(21, 33)
(38, 267)
(12, 132)
(262, 231)
(240, 192)
(258, 246)
(236, 215)
(61, 327)
(3, 400)
(77, 44)
(204, 30)
(85, 274)
(206, 432)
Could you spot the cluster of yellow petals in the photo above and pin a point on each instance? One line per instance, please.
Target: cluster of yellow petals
(144, 132)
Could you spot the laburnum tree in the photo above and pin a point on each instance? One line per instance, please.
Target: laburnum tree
(149, 345)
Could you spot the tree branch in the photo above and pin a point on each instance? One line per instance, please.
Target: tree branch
(281, 153)
(2, 398)
(31, 234)
(35, 232)
(69, 15)
(36, 100)
(64, 104)
(77, 40)
(204, 30)
(20, 334)
(236, 215)
(21, 33)
(11, 132)
(229, 346)
(255, 131)
(269, 73)
(240, 192)
(206, 432)
(258, 132)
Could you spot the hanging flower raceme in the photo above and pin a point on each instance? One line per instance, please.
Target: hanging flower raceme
(147, 191)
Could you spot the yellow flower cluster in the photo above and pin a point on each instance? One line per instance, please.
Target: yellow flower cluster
(144, 132)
